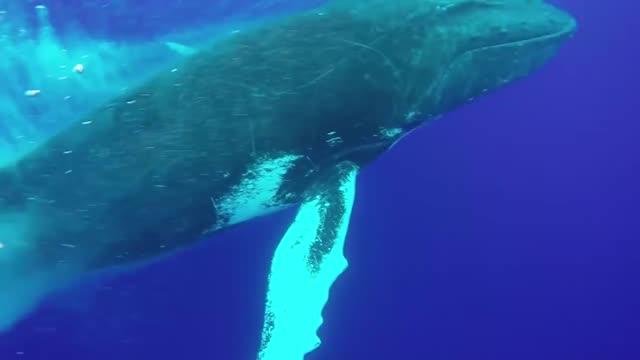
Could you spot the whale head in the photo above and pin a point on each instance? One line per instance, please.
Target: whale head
(458, 50)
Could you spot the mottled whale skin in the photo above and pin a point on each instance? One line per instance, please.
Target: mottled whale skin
(270, 117)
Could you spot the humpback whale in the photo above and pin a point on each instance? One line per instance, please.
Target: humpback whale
(278, 115)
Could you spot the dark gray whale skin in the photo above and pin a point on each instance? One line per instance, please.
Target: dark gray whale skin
(140, 175)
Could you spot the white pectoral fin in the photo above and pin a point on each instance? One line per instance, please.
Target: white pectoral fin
(307, 261)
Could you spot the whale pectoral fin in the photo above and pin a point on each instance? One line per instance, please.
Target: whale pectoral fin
(306, 262)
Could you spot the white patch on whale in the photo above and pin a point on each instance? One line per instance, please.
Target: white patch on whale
(390, 133)
(255, 195)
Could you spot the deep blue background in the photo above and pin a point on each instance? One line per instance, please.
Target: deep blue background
(508, 230)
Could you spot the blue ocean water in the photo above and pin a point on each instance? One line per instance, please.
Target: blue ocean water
(508, 229)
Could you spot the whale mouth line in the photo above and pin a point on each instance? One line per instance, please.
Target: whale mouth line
(566, 31)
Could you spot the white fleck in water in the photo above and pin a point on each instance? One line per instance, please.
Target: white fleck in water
(70, 246)
(1, 245)
(86, 122)
(68, 172)
(255, 195)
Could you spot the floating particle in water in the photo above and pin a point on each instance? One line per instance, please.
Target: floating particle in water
(32, 92)
(79, 68)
